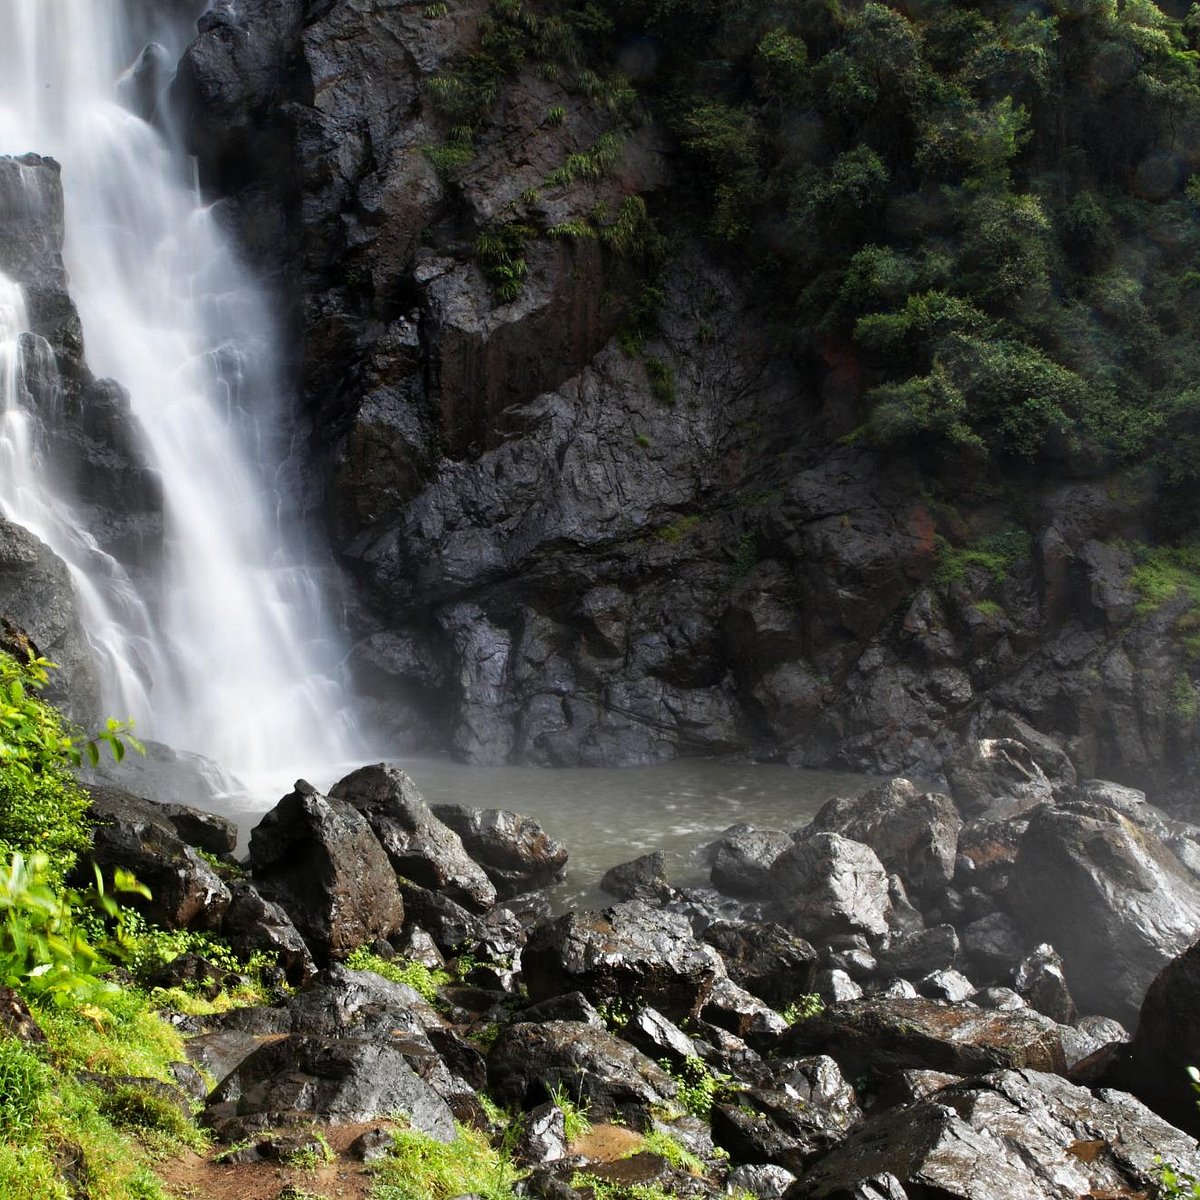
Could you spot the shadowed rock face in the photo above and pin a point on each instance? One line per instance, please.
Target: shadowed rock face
(1112, 899)
(564, 554)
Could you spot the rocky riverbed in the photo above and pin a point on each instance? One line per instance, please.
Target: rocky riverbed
(917, 994)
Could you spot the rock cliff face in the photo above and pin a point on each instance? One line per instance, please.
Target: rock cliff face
(565, 552)
(570, 546)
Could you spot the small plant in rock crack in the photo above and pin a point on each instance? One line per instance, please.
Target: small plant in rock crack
(575, 1118)
(697, 1084)
(803, 1007)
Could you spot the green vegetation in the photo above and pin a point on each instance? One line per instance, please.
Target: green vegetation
(803, 1007)
(500, 252)
(421, 1168)
(575, 1118)
(662, 380)
(1163, 573)
(400, 970)
(697, 1085)
(997, 554)
(659, 1142)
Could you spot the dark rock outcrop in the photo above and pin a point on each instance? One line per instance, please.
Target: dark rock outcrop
(516, 853)
(319, 861)
(1114, 901)
(419, 846)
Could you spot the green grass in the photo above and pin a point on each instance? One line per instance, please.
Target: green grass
(1163, 572)
(421, 1168)
(400, 970)
(575, 1118)
(998, 554)
(659, 1142)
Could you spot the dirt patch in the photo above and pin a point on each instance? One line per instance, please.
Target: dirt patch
(198, 1177)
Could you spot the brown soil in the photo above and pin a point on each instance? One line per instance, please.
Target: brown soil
(197, 1177)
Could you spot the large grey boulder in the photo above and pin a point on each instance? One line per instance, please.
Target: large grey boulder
(914, 833)
(1167, 1042)
(882, 1034)
(742, 857)
(137, 835)
(515, 852)
(421, 847)
(598, 1071)
(828, 884)
(630, 951)
(1114, 901)
(319, 861)
(996, 777)
(1009, 1134)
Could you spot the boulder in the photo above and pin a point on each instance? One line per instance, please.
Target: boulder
(136, 835)
(742, 857)
(1113, 899)
(421, 847)
(878, 1035)
(915, 954)
(334, 1080)
(1012, 1133)
(994, 943)
(319, 861)
(516, 853)
(828, 884)
(1167, 1042)
(915, 834)
(643, 878)
(997, 777)
(598, 1071)
(1041, 983)
(253, 925)
(764, 958)
(630, 952)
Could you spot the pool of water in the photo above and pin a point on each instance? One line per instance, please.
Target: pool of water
(609, 816)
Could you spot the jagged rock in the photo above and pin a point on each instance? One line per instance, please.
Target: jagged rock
(16, 1020)
(949, 985)
(517, 854)
(206, 831)
(571, 1006)
(914, 833)
(898, 988)
(319, 861)
(220, 1051)
(1040, 981)
(828, 884)
(764, 1181)
(836, 986)
(996, 777)
(339, 1080)
(777, 966)
(742, 858)
(1167, 1041)
(421, 848)
(1011, 1133)
(857, 961)
(880, 1035)
(371, 1146)
(817, 1082)
(598, 1071)
(920, 953)
(657, 1037)
(36, 593)
(735, 1009)
(629, 951)
(252, 925)
(1089, 868)
(543, 1136)
(994, 943)
(135, 835)
(790, 1128)
(1088, 1036)
(1002, 998)
(643, 878)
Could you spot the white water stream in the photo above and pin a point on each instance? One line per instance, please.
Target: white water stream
(234, 657)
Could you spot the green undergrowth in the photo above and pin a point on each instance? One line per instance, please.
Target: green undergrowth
(999, 554)
(421, 1168)
(416, 975)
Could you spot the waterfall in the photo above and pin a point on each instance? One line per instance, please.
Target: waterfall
(234, 656)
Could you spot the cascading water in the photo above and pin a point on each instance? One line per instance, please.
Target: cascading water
(236, 649)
